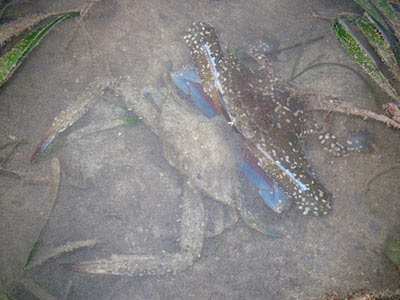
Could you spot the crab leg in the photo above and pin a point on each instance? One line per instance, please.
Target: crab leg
(191, 243)
(71, 114)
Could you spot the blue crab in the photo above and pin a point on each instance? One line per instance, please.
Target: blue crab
(200, 151)
(272, 121)
(272, 117)
(267, 113)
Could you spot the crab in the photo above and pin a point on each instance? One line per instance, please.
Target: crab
(200, 151)
(199, 148)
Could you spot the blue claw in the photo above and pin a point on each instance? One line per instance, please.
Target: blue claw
(189, 83)
(43, 145)
(184, 77)
(273, 196)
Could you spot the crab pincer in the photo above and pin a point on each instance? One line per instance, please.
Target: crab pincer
(188, 81)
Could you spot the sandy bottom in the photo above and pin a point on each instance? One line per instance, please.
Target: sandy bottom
(116, 185)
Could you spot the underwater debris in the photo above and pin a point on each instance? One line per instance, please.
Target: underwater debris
(392, 110)
(10, 62)
(15, 144)
(53, 196)
(334, 104)
(20, 25)
(373, 41)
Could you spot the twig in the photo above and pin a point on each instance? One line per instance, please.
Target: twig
(28, 177)
(84, 12)
(277, 51)
(97, 47)
(392, 110)
(311, 65)
(53, 195)
(299, 55)
(16, 144)
(331, 103)
(4, 8)
(396, 166)
(36, 290)
(363, 79)
(67, 290)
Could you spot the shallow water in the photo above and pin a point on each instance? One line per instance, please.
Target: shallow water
(117, 186)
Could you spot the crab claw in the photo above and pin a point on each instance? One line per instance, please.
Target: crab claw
(189, 83)
(273, 196)
(43, 145)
